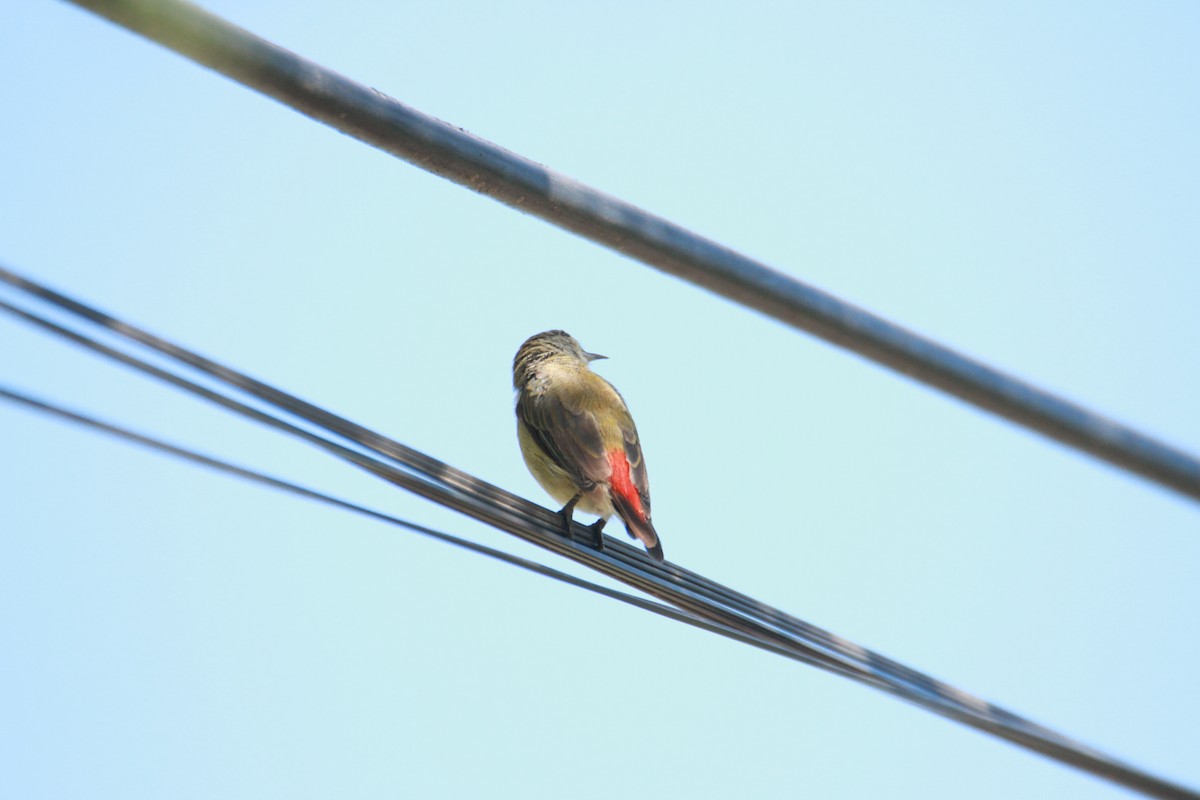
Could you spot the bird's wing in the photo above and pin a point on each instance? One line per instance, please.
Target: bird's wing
(564, 426)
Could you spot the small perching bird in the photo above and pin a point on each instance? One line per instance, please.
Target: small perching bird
(578, 438)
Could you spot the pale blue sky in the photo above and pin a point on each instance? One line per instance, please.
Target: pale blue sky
(1018, 181)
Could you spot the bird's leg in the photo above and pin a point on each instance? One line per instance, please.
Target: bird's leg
(568, 512)
(568, 515)
(596, 528)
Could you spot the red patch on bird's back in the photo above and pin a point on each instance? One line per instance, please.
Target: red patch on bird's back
(622, 481)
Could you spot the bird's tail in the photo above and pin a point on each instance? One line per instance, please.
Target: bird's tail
(641, 529)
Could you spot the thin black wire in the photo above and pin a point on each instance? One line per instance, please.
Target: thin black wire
(692, 593)
(55, 410)
(484, 167)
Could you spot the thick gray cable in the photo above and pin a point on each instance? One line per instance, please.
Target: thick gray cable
(486, 168)
(694, 594)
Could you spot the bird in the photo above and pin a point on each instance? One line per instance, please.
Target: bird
(578, 438)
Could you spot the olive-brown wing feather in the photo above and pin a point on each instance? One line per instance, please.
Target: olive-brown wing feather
(570, 436)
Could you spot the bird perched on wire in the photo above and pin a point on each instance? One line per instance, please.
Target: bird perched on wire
(578, 438)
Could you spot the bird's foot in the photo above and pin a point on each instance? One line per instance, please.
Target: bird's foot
(568, 514)
(597, 529)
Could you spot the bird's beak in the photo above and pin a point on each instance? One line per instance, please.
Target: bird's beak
(593, 357)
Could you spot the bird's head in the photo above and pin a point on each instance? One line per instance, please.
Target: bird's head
(545, 348)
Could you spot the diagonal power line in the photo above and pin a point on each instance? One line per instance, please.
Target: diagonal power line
(444, 150)
(696, 596)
